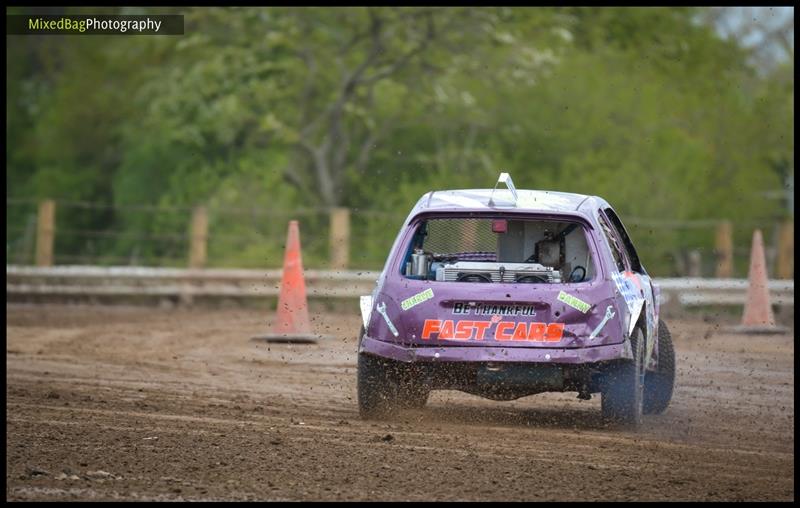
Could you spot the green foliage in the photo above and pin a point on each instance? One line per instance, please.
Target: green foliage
(269, 114)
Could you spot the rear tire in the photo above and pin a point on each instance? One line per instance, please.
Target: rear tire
(623, 388)
(386, 385)
(377, 391)
(658, 385)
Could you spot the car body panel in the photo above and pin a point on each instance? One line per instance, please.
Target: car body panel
(401, 353)
(412, 320)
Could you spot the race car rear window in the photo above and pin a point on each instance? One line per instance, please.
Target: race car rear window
(456, 249)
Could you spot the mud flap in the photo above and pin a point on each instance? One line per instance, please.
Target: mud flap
(366, 309)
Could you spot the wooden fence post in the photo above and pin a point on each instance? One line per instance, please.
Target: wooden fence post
(340, 238)
(786, 250)
(695, 264)
(45, 233)
(199, 237)
(724, 250)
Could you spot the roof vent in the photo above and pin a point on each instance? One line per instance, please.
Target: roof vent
(506, 179)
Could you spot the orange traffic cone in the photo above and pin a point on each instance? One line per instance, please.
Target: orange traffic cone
(292, 323)
(758, 316)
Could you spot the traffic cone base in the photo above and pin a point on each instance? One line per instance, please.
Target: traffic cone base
(758, 330)
(277, 338)
(758, 317)
(291, 320)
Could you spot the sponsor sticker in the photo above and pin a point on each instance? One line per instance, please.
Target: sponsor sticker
(381, 308)
(416, 299)
(574, 302)
(447, 329)
(628, 289)
(480, 309)
(609, 314)
(627, 285)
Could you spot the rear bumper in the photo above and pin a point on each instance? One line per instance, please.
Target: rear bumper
(574, 356)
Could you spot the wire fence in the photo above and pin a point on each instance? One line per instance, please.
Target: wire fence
(106, 234)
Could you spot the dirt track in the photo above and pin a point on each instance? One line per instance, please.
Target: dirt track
(149, 404)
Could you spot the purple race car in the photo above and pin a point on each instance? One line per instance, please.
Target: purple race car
(505, 293)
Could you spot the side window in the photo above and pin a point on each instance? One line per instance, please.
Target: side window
(630, 251)
(616, 249)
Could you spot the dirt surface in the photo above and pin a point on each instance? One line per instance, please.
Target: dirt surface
(154, 404)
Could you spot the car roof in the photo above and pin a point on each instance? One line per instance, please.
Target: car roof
(502, 200)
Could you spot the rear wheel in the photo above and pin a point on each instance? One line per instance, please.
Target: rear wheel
(658, 385)
(385, 386)
(623, 388)
(377, 391)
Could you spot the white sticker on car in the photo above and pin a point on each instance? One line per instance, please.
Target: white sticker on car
(631, 294)
(381, 308)
(609, 314)
(366, 309)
